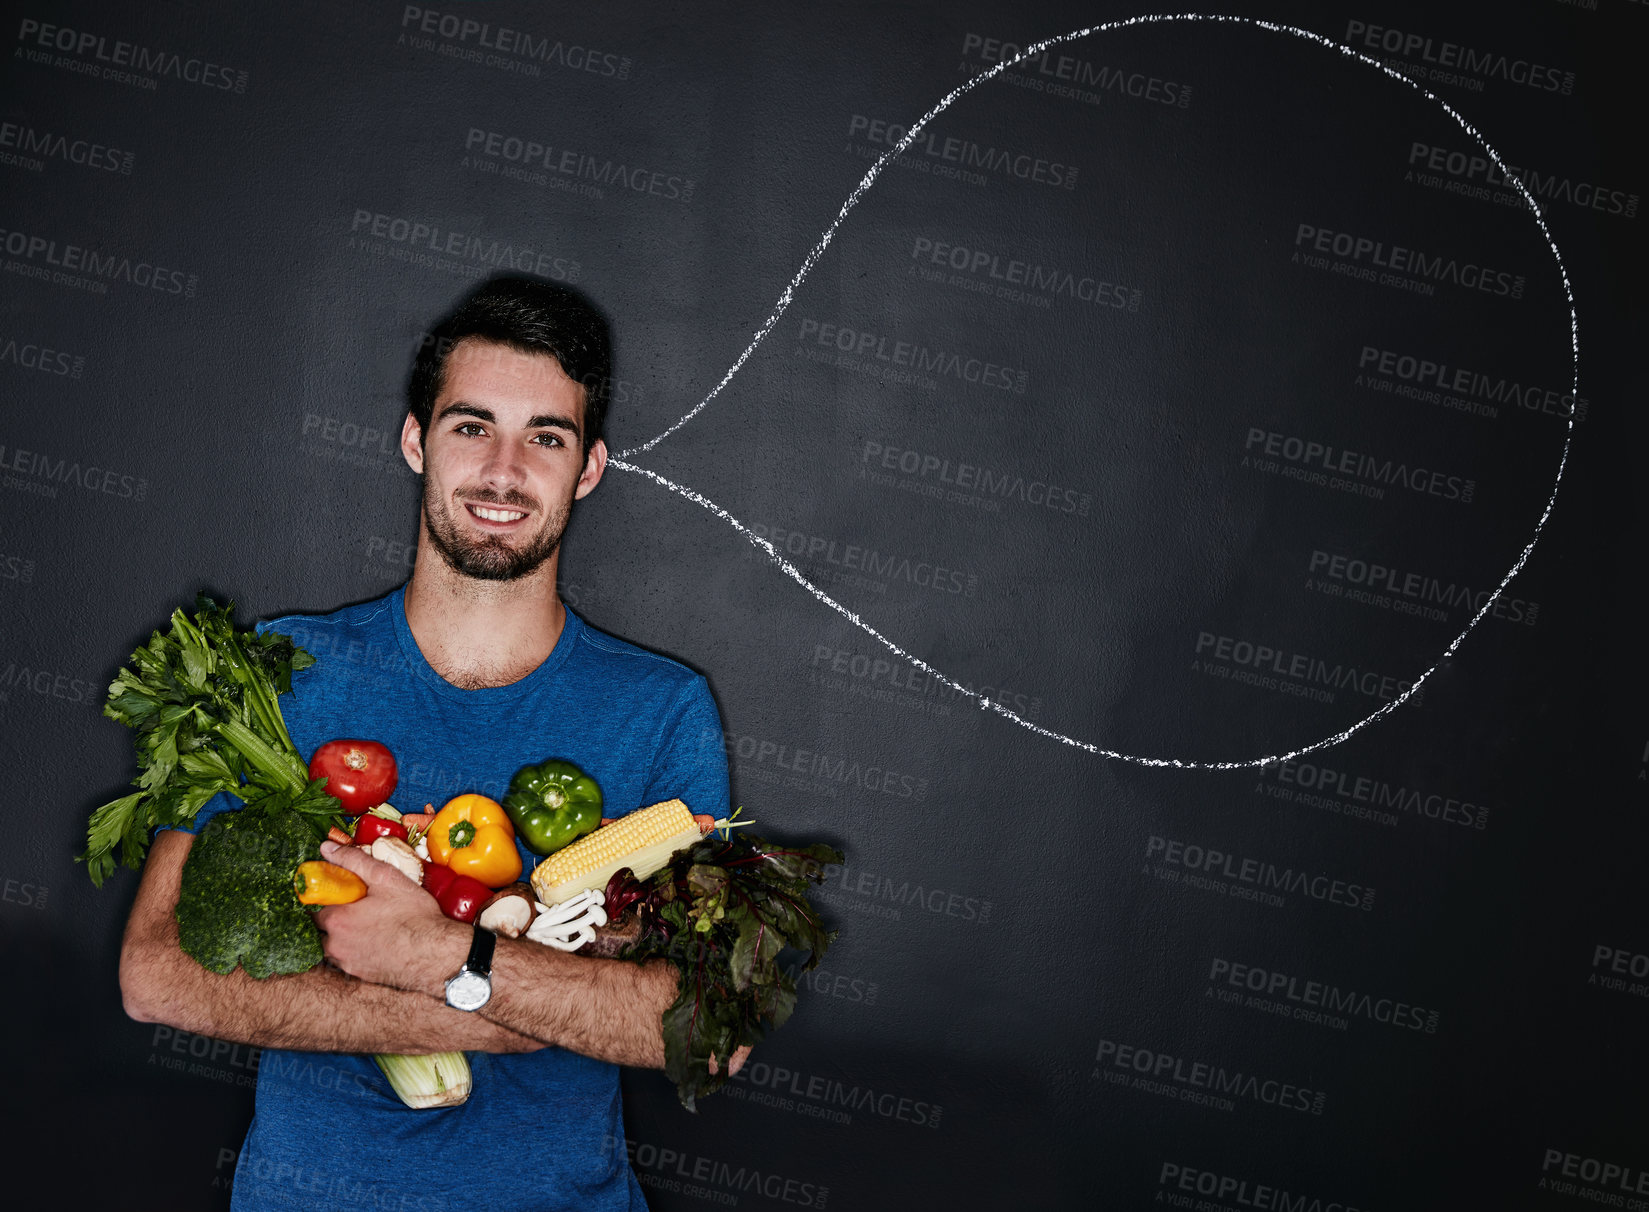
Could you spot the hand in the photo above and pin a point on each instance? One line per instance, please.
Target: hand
(396, 934)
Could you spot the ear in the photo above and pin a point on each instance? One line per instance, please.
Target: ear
(594, 464)
(412, 448)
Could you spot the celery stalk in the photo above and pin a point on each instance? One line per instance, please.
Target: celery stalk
(440, 1079)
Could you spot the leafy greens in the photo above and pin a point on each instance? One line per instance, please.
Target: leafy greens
(722, 911)
(202, 701)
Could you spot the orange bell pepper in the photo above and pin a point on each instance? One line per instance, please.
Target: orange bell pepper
(472, 836)
(319, 882)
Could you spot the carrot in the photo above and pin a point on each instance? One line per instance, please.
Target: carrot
(336, 834)
(416, 820)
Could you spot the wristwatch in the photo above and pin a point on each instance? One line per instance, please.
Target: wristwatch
(471, 986)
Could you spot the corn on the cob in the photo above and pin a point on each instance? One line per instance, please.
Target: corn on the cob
(643, 841)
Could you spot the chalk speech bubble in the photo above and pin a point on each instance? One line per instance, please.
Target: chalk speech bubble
(622, 459)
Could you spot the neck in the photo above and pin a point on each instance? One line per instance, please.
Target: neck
(478, 633)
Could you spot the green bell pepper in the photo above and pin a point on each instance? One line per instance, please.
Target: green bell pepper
(552, 805)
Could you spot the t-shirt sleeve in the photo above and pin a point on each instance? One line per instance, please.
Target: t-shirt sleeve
(221, 802)
(691, 761)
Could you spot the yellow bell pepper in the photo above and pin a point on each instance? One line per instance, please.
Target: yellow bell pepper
(472, 836)
(319, 882)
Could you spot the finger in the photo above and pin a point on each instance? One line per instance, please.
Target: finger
(353, 858)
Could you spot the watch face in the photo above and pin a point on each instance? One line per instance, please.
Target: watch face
(468, 990)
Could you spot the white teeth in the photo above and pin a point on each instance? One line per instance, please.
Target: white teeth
(498, 515)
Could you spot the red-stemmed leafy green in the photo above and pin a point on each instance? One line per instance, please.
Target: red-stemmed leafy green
(722, 911)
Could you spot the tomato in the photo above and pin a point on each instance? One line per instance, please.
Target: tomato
(361, 774)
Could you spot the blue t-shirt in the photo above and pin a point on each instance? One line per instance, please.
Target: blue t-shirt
(541, 1130)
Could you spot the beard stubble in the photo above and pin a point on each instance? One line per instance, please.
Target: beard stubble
(492, 558)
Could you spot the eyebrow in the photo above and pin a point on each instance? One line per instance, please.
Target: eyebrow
(541, 421)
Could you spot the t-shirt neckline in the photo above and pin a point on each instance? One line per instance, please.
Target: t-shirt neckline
(483, 695)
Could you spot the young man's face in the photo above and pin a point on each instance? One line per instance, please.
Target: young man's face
(502, 461)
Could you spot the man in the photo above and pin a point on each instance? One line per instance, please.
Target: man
(470, 671)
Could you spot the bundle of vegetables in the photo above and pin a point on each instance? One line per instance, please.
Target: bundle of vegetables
(721, 910)
(202, 700)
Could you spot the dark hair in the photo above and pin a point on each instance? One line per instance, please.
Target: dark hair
(529, 315)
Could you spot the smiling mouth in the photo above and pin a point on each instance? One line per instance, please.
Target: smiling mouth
(496, 515)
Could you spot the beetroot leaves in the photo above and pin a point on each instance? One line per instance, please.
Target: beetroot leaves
(721, 912)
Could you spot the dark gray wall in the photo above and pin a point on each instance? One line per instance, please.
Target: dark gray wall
(1237, 321)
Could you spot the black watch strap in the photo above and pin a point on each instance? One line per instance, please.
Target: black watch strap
(480, 957)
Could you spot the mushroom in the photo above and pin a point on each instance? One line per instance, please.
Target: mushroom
(509, 911)
(399, 855)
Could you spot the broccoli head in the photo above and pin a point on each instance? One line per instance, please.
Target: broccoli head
(237, 905)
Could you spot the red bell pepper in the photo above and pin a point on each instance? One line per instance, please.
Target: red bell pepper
(369, 829)
(460, 896)
(437, 877)
(463, 898)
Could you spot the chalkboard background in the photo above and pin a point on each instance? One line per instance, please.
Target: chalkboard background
(1185, 391)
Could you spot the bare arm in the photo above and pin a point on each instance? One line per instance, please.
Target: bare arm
(322, 1010)
(607, 1009)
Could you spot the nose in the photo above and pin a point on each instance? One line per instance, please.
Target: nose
(504, 468)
